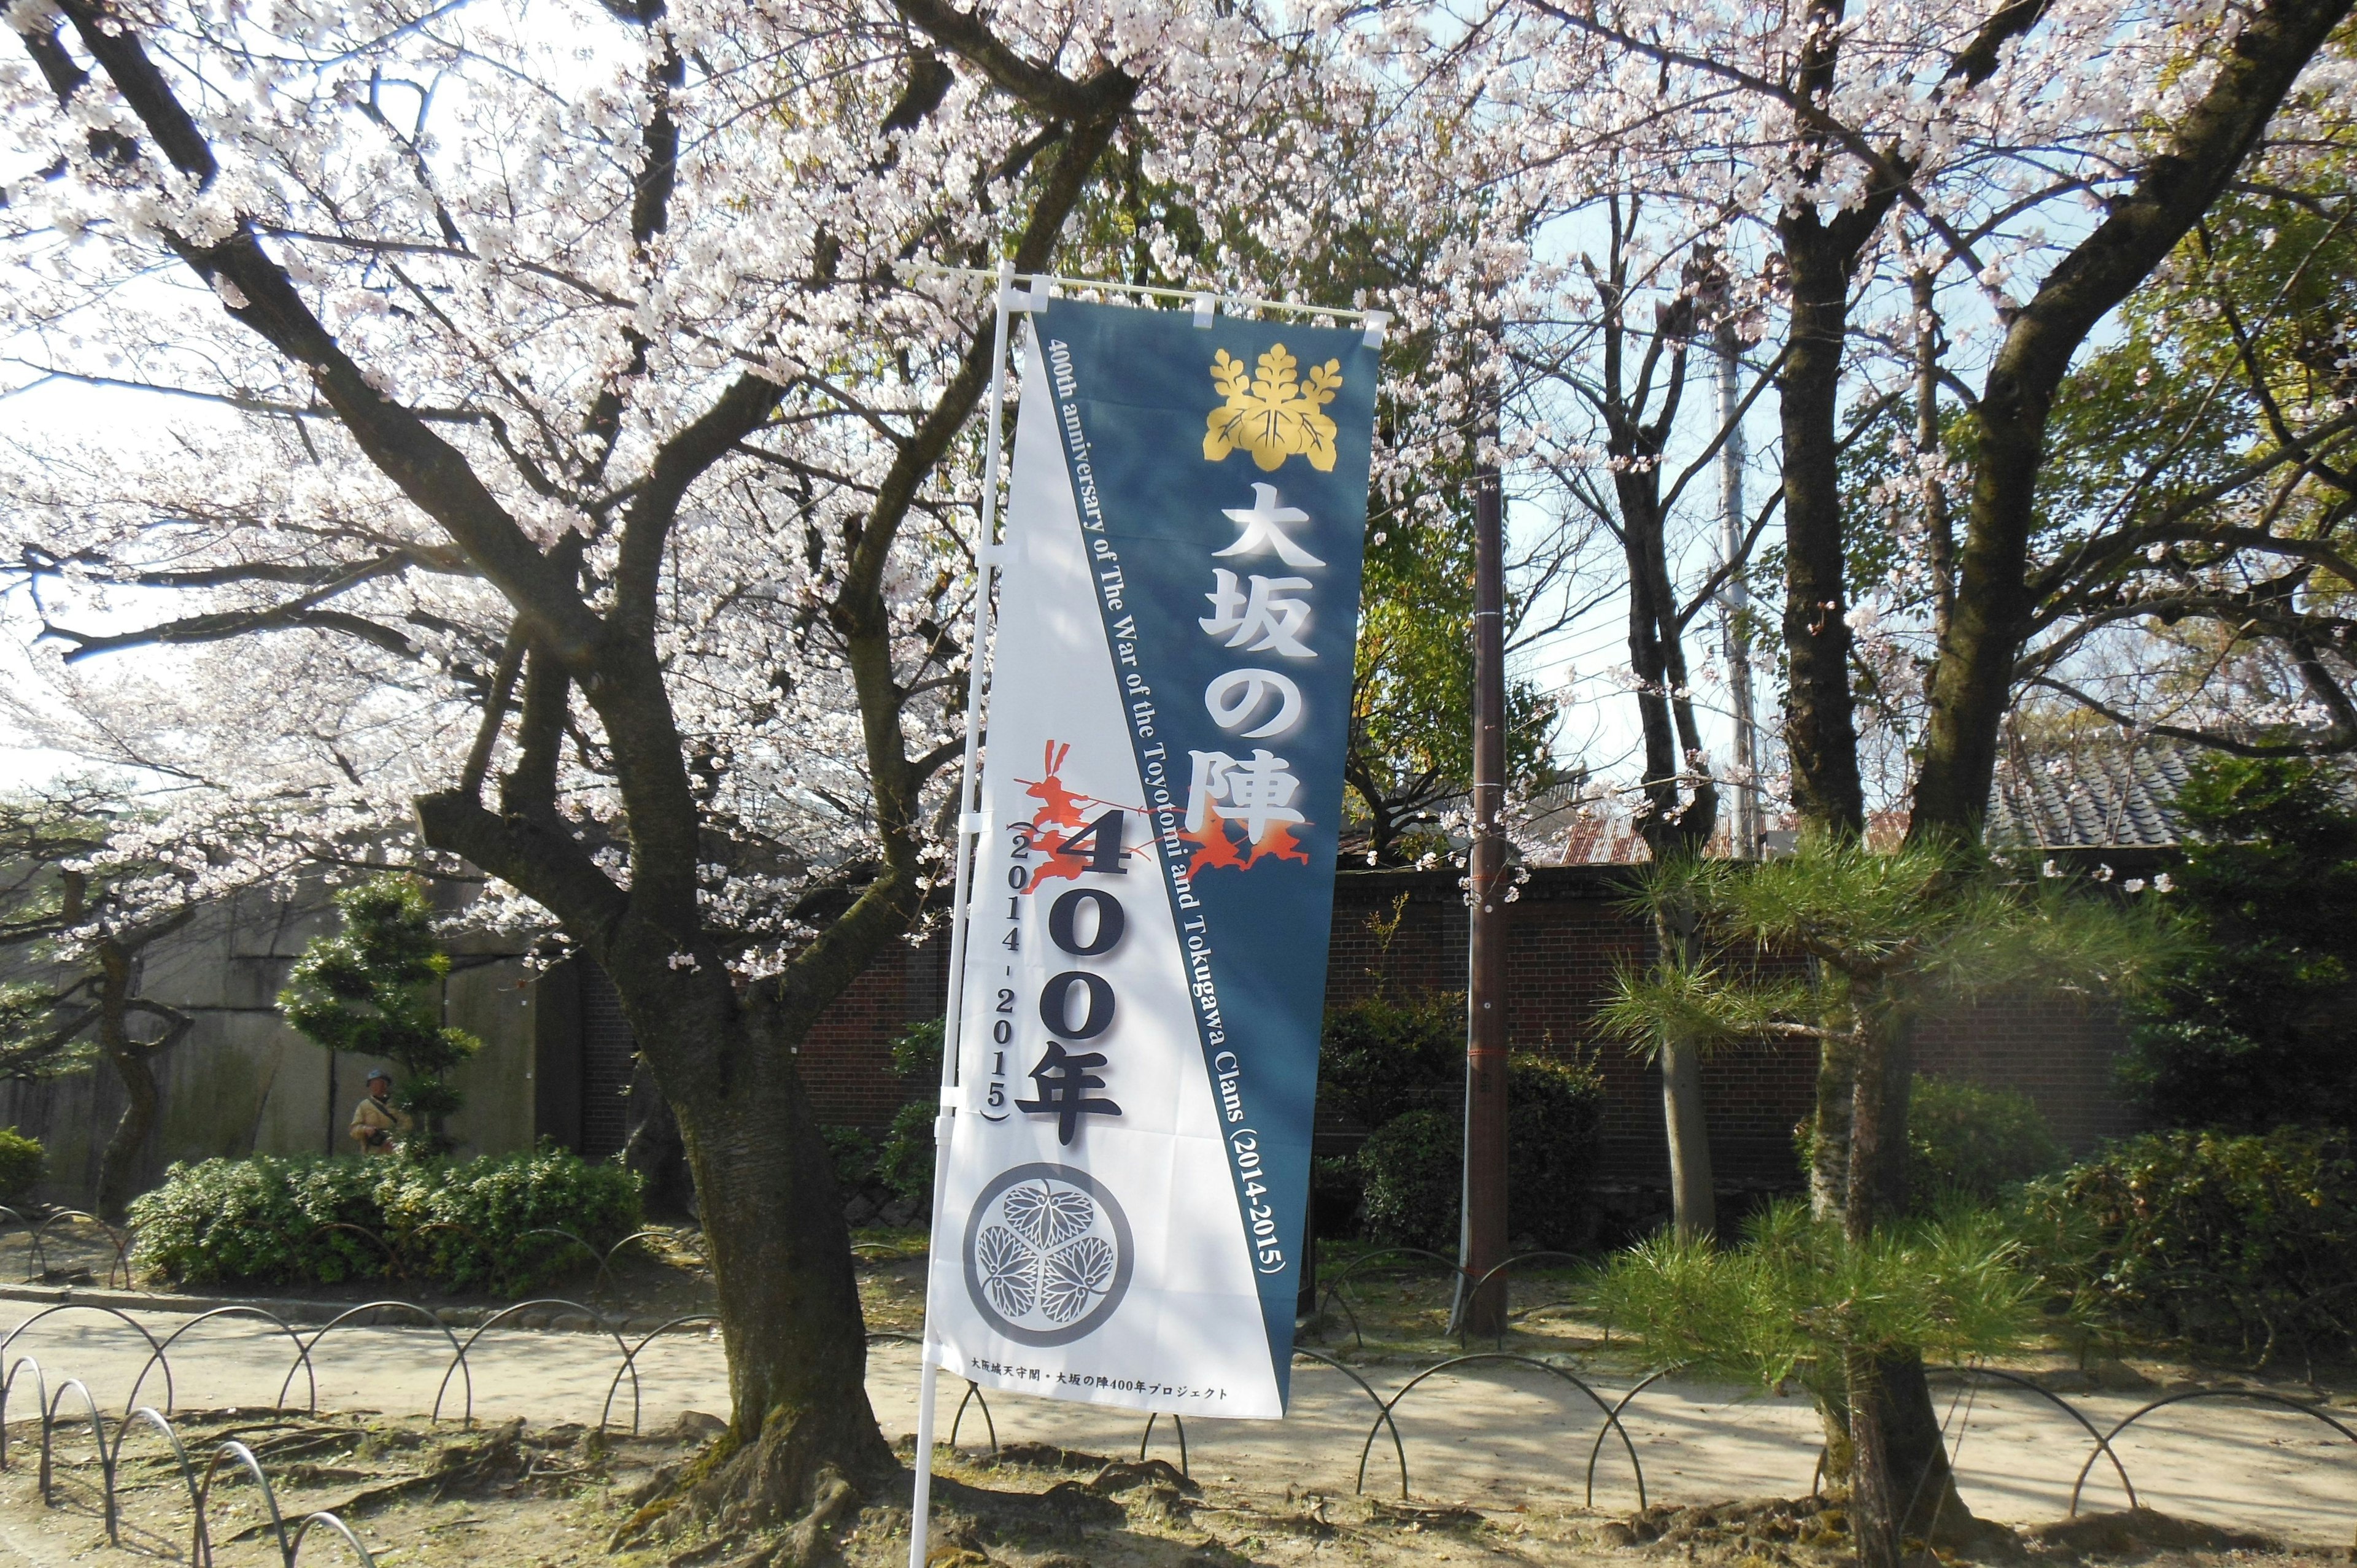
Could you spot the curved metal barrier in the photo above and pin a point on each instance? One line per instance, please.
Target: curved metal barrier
(334, 1525)
(1147, 1436)
(115, 1312)
(1597, 1448)
(2137, 1414)
(302, 1357)
(1382, 1412)
(631, 1364)
(115, 1467)
(231, 1455)
(1494, 1270)
(201, 1555)
(119, 1241)
(432, 1321)
(97, 1433)
(2103, 1443)
(973, 1389)
(491, 1322)
(974, 1394)
(1333, 1290)
(40, 1399)
(1612, 1417)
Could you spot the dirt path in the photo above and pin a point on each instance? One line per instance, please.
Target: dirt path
(1498, 1437)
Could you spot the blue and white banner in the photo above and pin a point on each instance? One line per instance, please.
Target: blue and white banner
(1146, 952)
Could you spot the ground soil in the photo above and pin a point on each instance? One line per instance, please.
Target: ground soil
(517, 1496)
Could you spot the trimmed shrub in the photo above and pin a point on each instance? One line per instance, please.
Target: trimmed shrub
(1554, 1127)
(20, 1164)
(1413, 1170)
(2232, 1242)
(1966, 1140)
(462, 1225)
(1414, 1174)
(853, 1154)
(1379, 1059)
(904, 1164)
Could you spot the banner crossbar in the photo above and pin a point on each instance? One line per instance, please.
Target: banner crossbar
(1375, 320)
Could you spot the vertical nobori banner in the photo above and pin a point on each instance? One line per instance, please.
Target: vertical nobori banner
(1146, 965)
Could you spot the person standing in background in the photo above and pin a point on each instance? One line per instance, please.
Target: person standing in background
(376, 1119)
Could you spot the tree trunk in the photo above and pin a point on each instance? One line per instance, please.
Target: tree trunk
(656, 1151)
(1820, 730)
(781, 1261)
(118, 1167)
(1897, 1459)
(1693, 1202)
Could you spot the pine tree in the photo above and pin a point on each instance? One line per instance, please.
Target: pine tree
(371, 990)
(2253, 1031)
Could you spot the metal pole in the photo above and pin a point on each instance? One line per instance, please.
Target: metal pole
(1735, 598)
(1483, 1244)
(970, 827)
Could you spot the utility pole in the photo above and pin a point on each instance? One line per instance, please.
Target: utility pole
(1735, 595)
(1482, 1239)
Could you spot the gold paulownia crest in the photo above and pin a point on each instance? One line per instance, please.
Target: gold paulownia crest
(1271, 414)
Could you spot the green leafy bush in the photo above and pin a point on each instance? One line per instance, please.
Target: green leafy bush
(904, 1164)
(1413, 1170)
(1969, 1141)
(2232, 1242)
(1378, 1059)
(461, 1225)
(1414, 1176)
(20, 1164)
(1555, 1126)
(853, 1153)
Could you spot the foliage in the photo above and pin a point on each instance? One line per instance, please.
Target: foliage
(1414, 1172)
(853, 1153)
(1890, 931)
(2256, 1028)
(1411, 1168)
(917, 1053)
(905, 1162)
(373, 990)
(1964, 1141)
(1378, 1058)
(461, 1225)
(1554, 1125)
(1795, 1295)
(20, 1164)
(2234, 1242)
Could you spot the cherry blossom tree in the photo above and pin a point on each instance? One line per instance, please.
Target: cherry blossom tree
(574, 467)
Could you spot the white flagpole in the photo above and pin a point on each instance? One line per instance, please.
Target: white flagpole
(970, 826)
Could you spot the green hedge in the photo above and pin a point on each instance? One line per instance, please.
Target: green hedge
(20, 1164)
(461, 1225)
(2244, 1243)
(1412, 1171)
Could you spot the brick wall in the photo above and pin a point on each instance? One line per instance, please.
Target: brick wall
(1568, 932)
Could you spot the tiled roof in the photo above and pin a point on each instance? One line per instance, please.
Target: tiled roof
(2109, 791)
(2112, 792)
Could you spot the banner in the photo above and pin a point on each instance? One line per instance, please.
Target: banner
(1146, 952)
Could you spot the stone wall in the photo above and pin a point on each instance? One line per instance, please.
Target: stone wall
(242, 1082)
